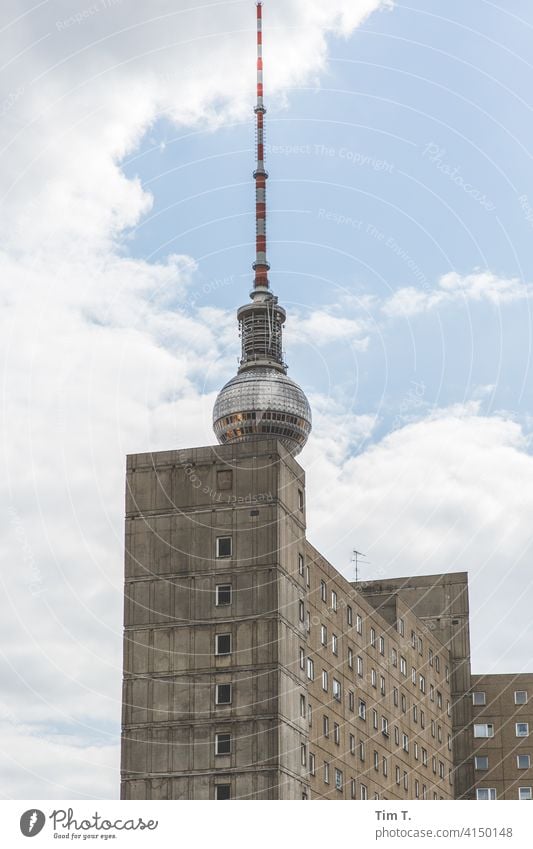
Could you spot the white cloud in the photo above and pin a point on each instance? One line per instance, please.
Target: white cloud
(456, 288)
(101, 354)
(452, 492)
(322, 327)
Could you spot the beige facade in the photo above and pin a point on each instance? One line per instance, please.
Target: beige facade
(501, 734)
(254, 670)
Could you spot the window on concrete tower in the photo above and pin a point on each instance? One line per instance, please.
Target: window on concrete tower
(222, 744)
(223, 547)
(525, 793)
(223, 644)
(222, 791)
(522, 729)
(223, 594)
(223, 694)
(520, 697)
(485, 794)
(479, 698)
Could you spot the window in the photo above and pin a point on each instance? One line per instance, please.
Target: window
(420, 646)
(523, 761)
(302, 706)
(300, 499)
(430, 656)
(404, 703)
(374, 719)
(352, 744)
(401, 627)
(350, 658)
(360, 666)
(394, 656)
(326, 772)
(361, 750)
(422, 684)
(358, 624)
(223, 594)
(301, 611)
(448, 708)
(224, 479)
(303, 754)
(524, 793)
(382, 685)
(325, 681)
(373, 677)
(437, 664)
(385, 726)
(323, 590)
(449, 742)
(362, 709)
(333, 600)
(351, 700)
(323, 635)
(413, 639)
(432, 692)
(364, 791)
(441, 769)
(520, 697)
(307, 576)
(395, 696)
(479, 698)
(486, 794)
(223, 644)
(439, 733)
(373, 637)
(439, 699)
(424, 757)
(336, 690)
(434, 764)
(334, 644)
(417, 789)
(382, 645)
(222, 744)
(336, 733)
(398, 775)
(338, 779)
(349, 615)
(396, 735)
(312, 764)
(415, 748)
(310, 669)
(403, 666)
(405, 742)
(301, 565)
(405, 781)
(376, 760)
(422, 719)
(302, 658)
(413, 675)
(352, 788)
(223, 547)
(222, 791)
(223, 694)
(522, 729)
(432, 727)
(415, 713)
(385, 766)
(325, 726)
(309, 714)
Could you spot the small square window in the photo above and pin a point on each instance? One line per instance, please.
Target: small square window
(223, 546)
(522, 729)
(223, 694)
(222, 744)
(479, 698)
(223, 594)
(223, 644)
(485, 794)
(524, 793)
(224, 479)
(520, 697)
(222, 791)
(523, 761)
(484, 730)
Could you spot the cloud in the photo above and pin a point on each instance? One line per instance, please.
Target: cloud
(322, 327)
(451, 492)
(103, 354)
(452, 288)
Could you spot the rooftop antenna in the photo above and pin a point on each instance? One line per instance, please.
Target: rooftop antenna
(355, 559)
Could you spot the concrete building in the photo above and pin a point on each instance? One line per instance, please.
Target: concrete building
(502, 707)
(252, 668)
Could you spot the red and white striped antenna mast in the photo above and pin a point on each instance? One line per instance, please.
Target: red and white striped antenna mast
(260, 265)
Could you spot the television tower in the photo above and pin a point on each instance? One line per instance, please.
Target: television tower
(261, 401)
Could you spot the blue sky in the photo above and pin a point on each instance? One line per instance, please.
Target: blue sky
(400, 220)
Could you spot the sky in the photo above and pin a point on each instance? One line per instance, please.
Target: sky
(400, 222)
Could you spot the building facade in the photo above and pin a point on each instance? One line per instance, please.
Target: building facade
(254, 670)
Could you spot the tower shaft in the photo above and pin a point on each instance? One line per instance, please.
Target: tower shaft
(261, 265)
